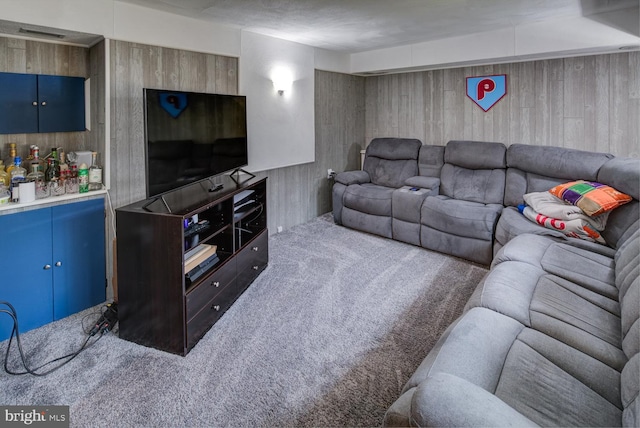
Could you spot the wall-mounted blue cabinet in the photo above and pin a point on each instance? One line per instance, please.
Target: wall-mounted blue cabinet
(32, 103)
(54, 263)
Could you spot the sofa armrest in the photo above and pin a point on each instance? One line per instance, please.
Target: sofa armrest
(352, 177)
(447, 400)
(423, 182)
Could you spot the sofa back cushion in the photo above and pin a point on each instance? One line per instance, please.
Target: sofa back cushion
(622, 174)
(627, 269)
(431, 160)
(539, 168)
(474, 171)
(390, 161)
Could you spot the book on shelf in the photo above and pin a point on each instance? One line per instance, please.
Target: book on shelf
(195, 250)
(199, 257)
(201, 269)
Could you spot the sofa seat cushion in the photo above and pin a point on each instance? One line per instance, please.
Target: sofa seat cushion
(369, 198)
(543, 379)
(512, 223)
(581, 318)
(590, 269)
(460, 217)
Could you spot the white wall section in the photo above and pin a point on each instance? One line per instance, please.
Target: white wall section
(281, 128)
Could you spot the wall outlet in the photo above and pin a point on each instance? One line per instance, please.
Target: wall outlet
(279, 229)
(330, 174)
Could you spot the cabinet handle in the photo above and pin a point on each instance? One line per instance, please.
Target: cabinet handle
(255, 268)
(44, 103)
(215, 307)
(255, 248)
(47, 267)
(35, 103)
(58, 264)
(216, 284)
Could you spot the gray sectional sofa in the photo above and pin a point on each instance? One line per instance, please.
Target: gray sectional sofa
(551, 336)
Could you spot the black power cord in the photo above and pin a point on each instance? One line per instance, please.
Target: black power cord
(105, 323)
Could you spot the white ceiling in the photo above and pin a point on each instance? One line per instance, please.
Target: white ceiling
(352, 26)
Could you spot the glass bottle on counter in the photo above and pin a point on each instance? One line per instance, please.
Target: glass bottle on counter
(53, 169)
(5, 178)
(11, 160)
(18, 175)
(37, 176)
(63, 162)
(34, 158)
(95, 173)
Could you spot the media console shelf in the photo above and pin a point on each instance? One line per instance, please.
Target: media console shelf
(184, 259)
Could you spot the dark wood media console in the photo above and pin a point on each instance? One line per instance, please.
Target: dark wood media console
(160, 303)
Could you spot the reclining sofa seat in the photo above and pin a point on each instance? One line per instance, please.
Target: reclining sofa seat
(362, 199)
(535, 348)
(539, 168)
(462, 219)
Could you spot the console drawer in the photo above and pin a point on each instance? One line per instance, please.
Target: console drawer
(210, 287)
(253, 259)
(210, 313)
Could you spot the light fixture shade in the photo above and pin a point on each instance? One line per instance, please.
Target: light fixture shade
(282, 80)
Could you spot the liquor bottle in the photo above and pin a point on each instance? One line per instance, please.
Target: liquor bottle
(35, 173)
(5, 178)
(95, 173)
(10, 161)
(63, 162)
(37, 176)
(83, 178)
(36, 159)
(26, 162)
(18, 175)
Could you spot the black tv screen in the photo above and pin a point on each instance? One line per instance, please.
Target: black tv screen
(191, 137)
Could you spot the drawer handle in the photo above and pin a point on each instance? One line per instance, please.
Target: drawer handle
(215, 307)
(255, 268)
(58, 264)
(47, 267)
(255, 248)
(216, 284)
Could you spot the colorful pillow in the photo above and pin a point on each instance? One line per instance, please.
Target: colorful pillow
(591, 197)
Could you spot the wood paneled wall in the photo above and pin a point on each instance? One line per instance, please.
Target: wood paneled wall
(33, 57)
(134, 67)
(589, 103)
(297, 193)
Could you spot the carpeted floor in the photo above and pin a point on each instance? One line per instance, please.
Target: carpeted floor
(326, 336)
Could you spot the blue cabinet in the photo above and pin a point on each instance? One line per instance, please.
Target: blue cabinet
(32, 103)
(53, 263)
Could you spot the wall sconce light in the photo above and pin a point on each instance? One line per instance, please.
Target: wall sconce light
(282, 80)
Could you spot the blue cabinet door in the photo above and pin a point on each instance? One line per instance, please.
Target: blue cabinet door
(78, 257)
(41, 103)
(61, 106)
(18, 103)
(25, 269)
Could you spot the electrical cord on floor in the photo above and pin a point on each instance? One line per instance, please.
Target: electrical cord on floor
(105, 323)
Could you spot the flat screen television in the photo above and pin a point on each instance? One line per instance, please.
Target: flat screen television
(191, 137)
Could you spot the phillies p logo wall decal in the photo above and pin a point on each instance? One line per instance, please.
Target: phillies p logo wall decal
(486, 91)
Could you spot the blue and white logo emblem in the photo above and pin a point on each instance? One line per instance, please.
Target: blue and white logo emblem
(486, 91)
(173, 103)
